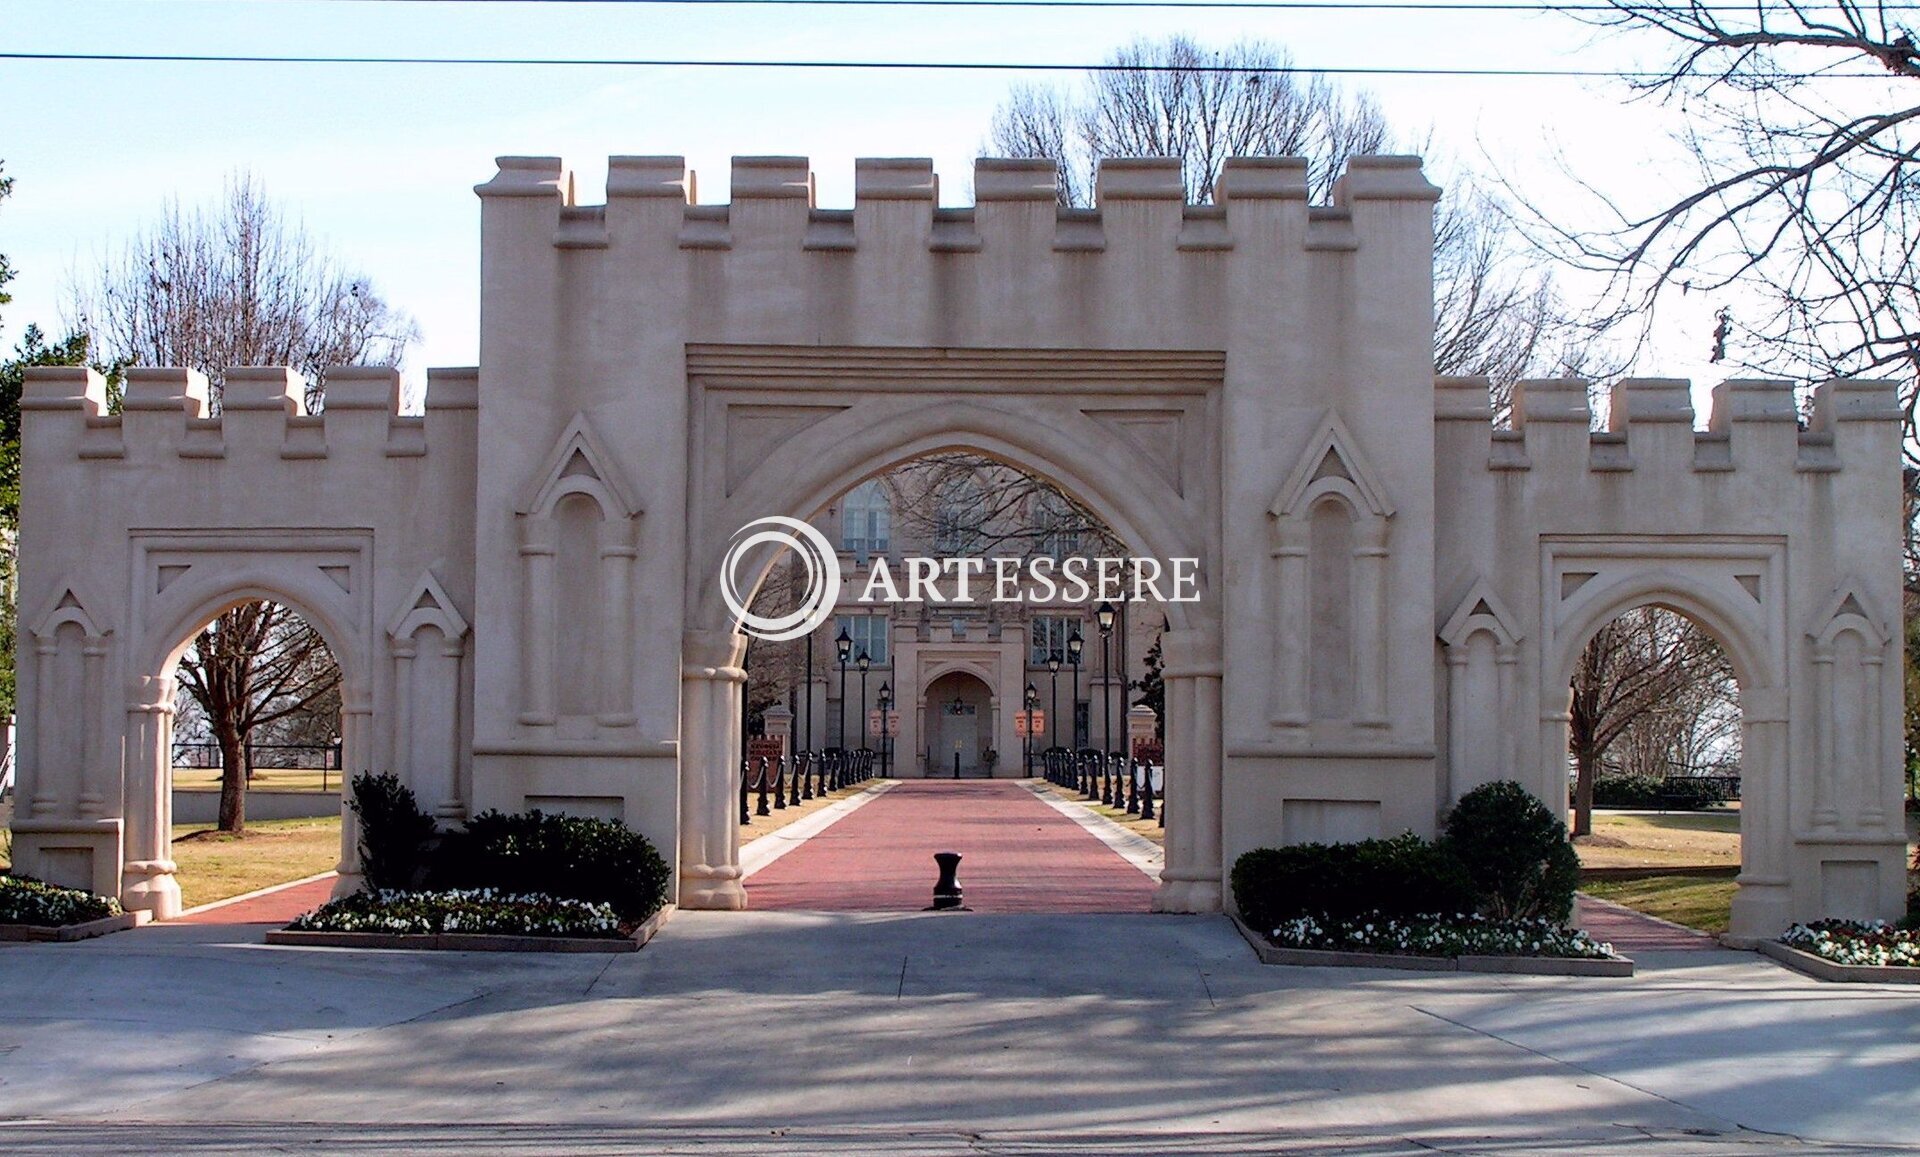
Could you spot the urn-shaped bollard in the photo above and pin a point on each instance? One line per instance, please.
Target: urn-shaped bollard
(946, 891)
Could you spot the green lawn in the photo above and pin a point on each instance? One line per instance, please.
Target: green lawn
(1701, 902)
(214, 866)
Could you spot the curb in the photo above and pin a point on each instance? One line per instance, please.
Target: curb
(473, 941)
(1820, 968)
(1618, 966)
(67, 933)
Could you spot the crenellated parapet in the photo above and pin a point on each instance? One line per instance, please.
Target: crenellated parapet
(1650, 426)
(166, 413)
(1137, 202)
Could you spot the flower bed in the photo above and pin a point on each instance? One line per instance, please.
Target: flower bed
(33, 910)
(1854, 942)
(1436, 935)
(24, 900)
(479, 911)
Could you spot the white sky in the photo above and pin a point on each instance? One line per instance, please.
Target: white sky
(379, 161)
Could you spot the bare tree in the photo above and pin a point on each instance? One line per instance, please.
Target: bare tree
(258, 664)
(1655, 680)
(1497, 311)
(210, 289)
(236, 285)
(1805, 198)
(971, 504)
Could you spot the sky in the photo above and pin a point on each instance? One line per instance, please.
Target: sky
(379, 161)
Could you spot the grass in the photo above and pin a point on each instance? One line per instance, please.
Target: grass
(1676, 840)
(264, 779)
(215, 865)
(1701, 902)
(1148, 828)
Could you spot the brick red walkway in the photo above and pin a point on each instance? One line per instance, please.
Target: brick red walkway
(1020, 856)
(1630, 932)
(276, 907)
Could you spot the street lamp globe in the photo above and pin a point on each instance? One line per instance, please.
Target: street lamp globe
(1105, 616)
(844, 644)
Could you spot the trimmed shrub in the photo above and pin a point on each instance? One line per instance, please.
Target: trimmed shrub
(25, 900)
(1677, 793)
(558, 855)
(1515, 852)
(394, 833)
(1403, 876)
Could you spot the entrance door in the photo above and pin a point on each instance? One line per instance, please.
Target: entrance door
(957, 721)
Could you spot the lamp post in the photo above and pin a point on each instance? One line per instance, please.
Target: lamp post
(1074, 645)
(1033, 700)
(1053, 726)
(844, 645)
(886, 747)
(863, 663)
(1104, 616)
(808, 724)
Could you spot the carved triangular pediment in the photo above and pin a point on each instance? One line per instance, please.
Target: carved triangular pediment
(581, 464)
(1481, 610)
(1848, 608)
(1332, 463)
(68, 607)
(428, 605)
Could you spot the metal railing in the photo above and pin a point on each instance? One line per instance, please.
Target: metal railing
(1130, 785)
(768, 785)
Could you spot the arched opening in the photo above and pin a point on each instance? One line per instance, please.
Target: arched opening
(1654, 764)
(958, 723)
(239, 743)
(937, 674)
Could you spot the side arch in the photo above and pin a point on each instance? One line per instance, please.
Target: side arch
(178, 614)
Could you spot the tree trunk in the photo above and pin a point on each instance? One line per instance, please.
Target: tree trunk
(1586, 763)
(233, 780)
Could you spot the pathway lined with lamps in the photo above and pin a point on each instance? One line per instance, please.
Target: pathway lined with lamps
(1018, 855)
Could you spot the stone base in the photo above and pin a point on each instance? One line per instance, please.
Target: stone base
(1270, 953)
(712, 891)
(1187, 896)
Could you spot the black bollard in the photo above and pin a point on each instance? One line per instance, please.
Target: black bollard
(1146, 791)
(760, 808)
(746, 809)
(946, 891)
(956, 775)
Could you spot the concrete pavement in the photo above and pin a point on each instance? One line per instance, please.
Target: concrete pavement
(810, 1033)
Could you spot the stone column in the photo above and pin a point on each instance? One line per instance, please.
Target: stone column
(453, 804)
(711, 682)
(1369, 622)
(1288, 677)
(1762, 904)
(44, 799)
(538, 553)
(1191, 880)
(356, 756)
(146, 878)
(617, 557)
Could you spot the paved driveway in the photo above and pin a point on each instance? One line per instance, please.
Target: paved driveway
(790, 1032)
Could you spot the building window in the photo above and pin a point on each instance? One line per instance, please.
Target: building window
(1056, 526)
(958, 506)
(869, 634)
(1048, 634)
(866, 520)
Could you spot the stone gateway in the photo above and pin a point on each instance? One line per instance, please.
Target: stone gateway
(521, 584)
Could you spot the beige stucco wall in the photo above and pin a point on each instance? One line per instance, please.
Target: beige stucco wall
(1391, 590)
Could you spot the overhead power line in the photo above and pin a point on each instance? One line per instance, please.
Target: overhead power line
(847, 65)
(1523, 6)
